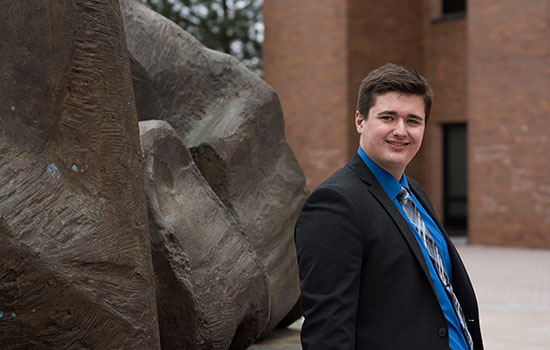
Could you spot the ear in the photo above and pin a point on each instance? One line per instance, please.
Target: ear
(359, 122)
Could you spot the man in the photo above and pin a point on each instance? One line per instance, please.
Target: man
(377, 270)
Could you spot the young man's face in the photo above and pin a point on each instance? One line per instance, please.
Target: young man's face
(393, 131)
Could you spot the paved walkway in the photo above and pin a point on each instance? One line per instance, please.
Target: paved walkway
(513, 291)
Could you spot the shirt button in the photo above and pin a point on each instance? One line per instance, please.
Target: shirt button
(442, 332)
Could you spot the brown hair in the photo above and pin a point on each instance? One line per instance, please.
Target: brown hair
(393, 77)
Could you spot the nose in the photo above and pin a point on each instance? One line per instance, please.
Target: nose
(400, 128)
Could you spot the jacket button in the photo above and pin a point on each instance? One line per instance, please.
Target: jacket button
(442, 332)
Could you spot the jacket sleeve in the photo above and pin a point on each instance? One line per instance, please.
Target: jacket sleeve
(330, 253)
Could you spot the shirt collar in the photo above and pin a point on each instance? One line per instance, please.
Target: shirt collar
(386, 180)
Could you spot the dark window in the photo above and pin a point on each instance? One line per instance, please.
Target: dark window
(454, 6)
(455, 179)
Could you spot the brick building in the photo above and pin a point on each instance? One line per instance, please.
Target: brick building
(484, 161)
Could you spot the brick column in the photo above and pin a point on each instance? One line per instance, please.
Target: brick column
(509, 114)
(305, 61)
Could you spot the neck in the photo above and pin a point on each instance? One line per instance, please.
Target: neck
(396, 174)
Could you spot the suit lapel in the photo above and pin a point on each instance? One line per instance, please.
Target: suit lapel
(359, 167)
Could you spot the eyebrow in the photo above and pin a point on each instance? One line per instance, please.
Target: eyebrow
(413, 116)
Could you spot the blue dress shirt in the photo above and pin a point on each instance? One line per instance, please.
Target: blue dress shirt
(392, 188)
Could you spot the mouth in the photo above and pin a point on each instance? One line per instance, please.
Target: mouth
(398, 143)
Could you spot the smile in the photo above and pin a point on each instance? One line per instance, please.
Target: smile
(396, 143)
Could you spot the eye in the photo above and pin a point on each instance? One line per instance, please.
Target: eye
(414, 122)
(386, 117)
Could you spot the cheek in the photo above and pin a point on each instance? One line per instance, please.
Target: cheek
(380, 135)
(418, 137)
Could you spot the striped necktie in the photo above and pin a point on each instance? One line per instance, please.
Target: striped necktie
(414, 216)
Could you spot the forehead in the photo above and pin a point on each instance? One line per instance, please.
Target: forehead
(398, 102)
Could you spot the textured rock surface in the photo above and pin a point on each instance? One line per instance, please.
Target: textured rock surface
(232, 123)
(210, 282)
(76, 270)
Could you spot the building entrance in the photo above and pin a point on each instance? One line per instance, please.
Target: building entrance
(455, 194)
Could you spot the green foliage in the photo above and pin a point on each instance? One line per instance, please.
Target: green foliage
(231, 26)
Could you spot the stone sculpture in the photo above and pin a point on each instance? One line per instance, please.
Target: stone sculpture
(212, 290)
(232, 123)
(76, 269)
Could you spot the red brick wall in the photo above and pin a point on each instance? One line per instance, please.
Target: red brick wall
(305, 60)
(509, 113)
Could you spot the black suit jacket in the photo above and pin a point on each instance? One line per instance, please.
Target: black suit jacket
(364, 281)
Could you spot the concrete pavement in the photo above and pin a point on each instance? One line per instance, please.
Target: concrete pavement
(513, 291)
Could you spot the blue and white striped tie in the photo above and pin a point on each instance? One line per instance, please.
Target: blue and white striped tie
(414, 216)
